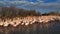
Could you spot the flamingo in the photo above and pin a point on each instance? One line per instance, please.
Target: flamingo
(6, 23)
(1, 23)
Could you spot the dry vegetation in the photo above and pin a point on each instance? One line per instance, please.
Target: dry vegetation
(10, 12)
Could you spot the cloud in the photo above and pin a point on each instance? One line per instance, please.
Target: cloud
(40, 0)
(49, 5)
(33, 5)
(58, 1)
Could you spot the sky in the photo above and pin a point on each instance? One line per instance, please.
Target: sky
(38, 5)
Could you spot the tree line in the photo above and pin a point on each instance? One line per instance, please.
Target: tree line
(16, 12)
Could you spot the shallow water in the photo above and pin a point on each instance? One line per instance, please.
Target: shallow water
(50, 28)
(37, 28)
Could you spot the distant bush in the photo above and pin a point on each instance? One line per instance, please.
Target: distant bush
(11, 12)
(14, 12)
(52, 13)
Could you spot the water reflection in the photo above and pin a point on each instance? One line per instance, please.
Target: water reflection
(50, 28)
(36, 28)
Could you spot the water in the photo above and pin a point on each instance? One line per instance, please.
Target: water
(37, 28)
(50, 28)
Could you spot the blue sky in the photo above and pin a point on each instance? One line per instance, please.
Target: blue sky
(38, 5)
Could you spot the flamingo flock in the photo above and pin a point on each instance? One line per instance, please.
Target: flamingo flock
(28, 20)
